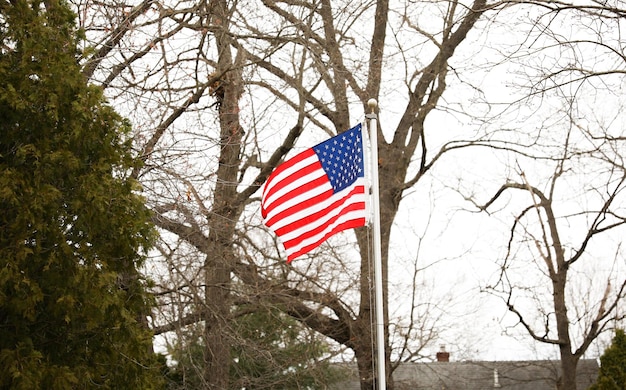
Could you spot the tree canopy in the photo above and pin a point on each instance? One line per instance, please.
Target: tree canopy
(612, 374)
(271, 351)
(73, 230)
(476, 103)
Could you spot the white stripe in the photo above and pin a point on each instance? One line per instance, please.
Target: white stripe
(295, 201)
(303, 230)
(269, 202)
(296, 216)
(318, 207)
(311, 240)
(289, 172)
(319, 221)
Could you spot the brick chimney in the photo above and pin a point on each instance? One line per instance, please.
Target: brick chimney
(442, 355)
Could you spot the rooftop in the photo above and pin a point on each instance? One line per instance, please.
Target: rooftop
(479, 375)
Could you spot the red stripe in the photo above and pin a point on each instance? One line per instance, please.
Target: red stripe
(354, 223)
(314, 231)
(302, 205)
(338, 204)
(288, 179)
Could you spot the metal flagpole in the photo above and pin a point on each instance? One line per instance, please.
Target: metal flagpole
(378, 267)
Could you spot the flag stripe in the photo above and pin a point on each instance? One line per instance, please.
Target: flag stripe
(287, 178)
(316, 191)
(353, 220)
(322, 232)
(319, 214)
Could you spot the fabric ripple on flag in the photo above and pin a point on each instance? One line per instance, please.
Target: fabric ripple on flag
(317, 193)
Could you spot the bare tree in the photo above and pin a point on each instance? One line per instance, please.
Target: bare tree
(560, 274)
(561, 305)
(219, 92)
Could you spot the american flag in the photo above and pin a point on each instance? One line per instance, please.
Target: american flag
(317, 193)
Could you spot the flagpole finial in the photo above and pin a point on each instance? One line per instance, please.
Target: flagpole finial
(372, 103)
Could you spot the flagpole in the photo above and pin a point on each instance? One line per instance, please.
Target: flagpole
(378, 267)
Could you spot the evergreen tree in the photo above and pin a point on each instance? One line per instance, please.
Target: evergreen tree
(72, 230)
(272, 351)
(612, 374)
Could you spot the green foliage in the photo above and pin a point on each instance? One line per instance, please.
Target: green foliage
(612, 374)
(71, 229)
(270, 351)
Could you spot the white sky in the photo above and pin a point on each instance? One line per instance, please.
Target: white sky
(457, 250)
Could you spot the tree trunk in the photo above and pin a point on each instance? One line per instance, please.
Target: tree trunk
(365, 364)
(391, 179)
(221, 257)
(567, 379)
(217, 295)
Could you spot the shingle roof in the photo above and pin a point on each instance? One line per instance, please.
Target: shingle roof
(480, 375)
